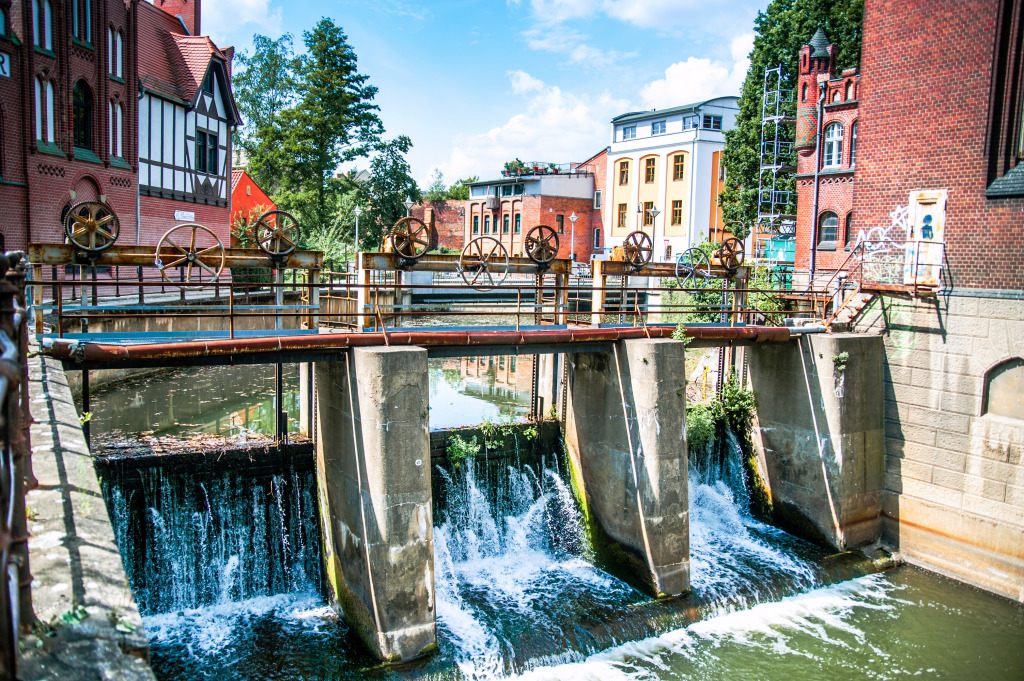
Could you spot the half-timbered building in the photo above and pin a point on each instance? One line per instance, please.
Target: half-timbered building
(186, 115)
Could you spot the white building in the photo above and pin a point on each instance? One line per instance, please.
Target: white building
(669, 159)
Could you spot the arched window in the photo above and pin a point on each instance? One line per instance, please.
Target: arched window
(848, 234)
(1004, 389)
(118, 54)
(836, 96)
(116, 113)
(833, 152)
(849, 90)
(51, 125)
(81, 98)
(803, 93)
(44, 111)
(81, 20)
(828, 229)
(853, 144)
(597, 238)
(42, 24)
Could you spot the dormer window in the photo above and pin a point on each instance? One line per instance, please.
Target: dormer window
(658, 128)
(208, 83)
(629, 132)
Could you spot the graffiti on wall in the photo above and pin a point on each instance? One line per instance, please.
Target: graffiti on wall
(910, 250)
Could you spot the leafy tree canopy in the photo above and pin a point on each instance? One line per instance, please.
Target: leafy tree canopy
(779, 32)
(383, 194)
(306, 115)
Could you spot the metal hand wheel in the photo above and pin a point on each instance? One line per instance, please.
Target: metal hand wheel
(541, 244)
(277, 233)
(195, 257)
(91, 226)
(730, 253)
(693, 269)
(410, 237)
(483, 263)
(638, 247)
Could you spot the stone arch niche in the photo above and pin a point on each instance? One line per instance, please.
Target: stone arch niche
(1004, 390)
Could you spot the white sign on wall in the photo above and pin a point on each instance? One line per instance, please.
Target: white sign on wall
(184, 215)
(5, 65)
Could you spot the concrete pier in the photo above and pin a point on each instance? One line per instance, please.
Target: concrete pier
(626, 434)
(373, 474)
(821, 430)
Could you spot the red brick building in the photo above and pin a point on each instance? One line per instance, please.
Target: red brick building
(507, 209)
(824, 226)
(83, 83)
(67, 116)
(445, 219)
(186, 115)
(940, 158)
(248, 200)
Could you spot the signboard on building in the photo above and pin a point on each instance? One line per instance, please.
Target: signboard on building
(184, 215)
(5, 65)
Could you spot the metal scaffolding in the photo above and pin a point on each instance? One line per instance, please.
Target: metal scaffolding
(776, 205)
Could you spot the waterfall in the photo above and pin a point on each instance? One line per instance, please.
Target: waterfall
(189, 543)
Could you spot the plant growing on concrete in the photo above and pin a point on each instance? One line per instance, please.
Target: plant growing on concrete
(700, 426)
(840, 361)
(458, 449)
(736, 406)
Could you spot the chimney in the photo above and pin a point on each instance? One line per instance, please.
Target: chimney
(186, 10)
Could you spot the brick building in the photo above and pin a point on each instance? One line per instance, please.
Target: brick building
(67, 116)
(446, 220)
(79, 80)
(671, 160)
(941, 122)
(540, 194)
(186, 114)
(825, 167)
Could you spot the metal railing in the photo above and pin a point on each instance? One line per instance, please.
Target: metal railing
(15, 463)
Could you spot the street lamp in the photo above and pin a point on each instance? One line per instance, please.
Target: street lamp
(357, 211)
(572, 246)
(408, 203)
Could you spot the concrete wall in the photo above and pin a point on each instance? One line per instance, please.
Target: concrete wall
(626, 434)
(373, 477)
(821, 433)
(954, 478)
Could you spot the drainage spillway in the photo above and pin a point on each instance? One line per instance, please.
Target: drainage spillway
(225, 565)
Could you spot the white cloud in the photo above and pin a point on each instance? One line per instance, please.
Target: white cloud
(554, 126)
(697, 79)
(523, 82)
(571, 43)
(225, 17)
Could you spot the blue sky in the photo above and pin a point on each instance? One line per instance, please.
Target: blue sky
(474, 83)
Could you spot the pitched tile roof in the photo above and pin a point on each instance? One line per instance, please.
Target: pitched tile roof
(172, 62)
(236, 175)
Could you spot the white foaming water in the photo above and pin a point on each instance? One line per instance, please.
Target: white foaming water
(509, 557)
(210, 629)
(768, 629)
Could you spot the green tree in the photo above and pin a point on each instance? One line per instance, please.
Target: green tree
(437, 191)
(460, 190)
(263, 89)
(779, 32)
(320, 114)
(389, 185)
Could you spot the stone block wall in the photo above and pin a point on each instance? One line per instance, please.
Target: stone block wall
(954, 481)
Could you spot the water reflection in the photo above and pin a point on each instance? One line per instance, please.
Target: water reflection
(238, 402)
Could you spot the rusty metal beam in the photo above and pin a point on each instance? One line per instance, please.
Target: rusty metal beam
(438, 262)
(145, 256)
(78, 354)
(618, 268)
